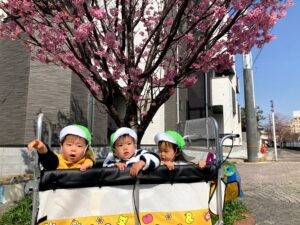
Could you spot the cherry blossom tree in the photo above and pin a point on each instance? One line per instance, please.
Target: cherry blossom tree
(135, 53)
(283, 129)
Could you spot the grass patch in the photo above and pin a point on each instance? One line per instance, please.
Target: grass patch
(21, 213)
(233, 211)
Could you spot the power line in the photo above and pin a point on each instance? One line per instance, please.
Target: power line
(260, 50)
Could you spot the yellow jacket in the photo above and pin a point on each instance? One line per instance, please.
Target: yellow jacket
(65, 164)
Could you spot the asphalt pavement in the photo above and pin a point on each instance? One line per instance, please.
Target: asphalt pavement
(271, 187)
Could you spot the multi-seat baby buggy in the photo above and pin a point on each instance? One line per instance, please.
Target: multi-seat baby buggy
(108, 196)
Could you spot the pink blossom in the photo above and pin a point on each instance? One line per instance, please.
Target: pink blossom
(189, 37)
(97, 13)
(144, 113)
(78, 3)
(94, 86)
(83, 31)
(126, 52)
(219, 11)
(113, 12)
(153, 103)
(110, 40)
(190, 81)
(70, 60)
(135, 71)
(171, 91)
(169, 21)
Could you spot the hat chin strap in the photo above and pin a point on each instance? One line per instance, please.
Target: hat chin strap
(85, 150)
(176, 153)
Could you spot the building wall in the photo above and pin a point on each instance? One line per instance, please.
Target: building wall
(183, 97)
(171, 113)
(196, 99)
(28, 88)
(296, 113)
(157, 125)
(14, 70)
(49, 93)
(224, 97)
(100, 125)
(296, 121)
(168, 116)
(224, 92)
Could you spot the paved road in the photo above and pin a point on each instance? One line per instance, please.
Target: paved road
(272, 189)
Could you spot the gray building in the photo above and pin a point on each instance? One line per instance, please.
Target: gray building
(28, 88)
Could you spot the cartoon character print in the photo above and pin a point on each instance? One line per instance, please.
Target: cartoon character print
(100, 220)
(75, 222)
(122, 220)
(50, 223)
(189, 218)
(168, 216)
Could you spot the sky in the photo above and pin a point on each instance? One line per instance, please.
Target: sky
(276, 68)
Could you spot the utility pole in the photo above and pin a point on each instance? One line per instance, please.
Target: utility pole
(273, 128)
(250, 109)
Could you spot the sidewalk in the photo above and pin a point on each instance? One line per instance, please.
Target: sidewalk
(271, 188)
(240, 155)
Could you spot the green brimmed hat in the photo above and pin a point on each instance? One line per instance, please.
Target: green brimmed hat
(80, 131)
(120, 132)
(172, 137)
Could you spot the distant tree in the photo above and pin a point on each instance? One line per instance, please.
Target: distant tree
(132, 55)
(283, 129)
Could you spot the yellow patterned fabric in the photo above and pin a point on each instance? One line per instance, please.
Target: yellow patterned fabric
(163, 204)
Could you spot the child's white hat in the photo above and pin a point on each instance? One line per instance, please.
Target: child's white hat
(175, 138)
(80, 131)
(120, 132)
(172, 137)
(77, 130)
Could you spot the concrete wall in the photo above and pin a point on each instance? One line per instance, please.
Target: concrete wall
(15, 161)
(11, 193)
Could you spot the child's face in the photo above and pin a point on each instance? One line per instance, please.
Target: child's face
(125, 147)
(166, 151)
(73, 148)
